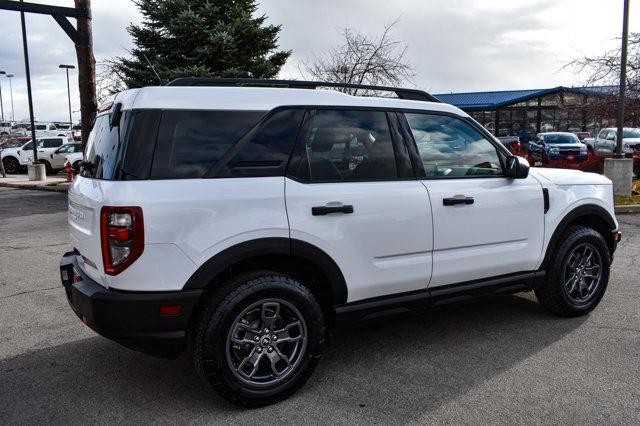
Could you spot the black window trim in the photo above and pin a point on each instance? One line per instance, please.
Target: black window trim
(295, 162)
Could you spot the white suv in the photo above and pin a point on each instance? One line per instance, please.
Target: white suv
(247, 223)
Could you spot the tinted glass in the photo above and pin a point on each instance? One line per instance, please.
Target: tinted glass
(449, 147)
(189, 143)
(41, 127)
(102, 150)
(142, 129)
(560, 139)
(69, 148)
(631, 133)
(264, 151)
(342, 145)
(52, 143)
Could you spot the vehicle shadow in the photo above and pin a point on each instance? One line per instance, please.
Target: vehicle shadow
(389, 370)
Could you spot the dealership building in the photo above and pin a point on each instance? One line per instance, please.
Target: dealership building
(525, 113)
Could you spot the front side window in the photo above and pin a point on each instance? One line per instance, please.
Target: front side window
(449, 147)
(344, 145)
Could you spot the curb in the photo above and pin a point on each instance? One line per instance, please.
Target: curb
(630, 209)
(52, 187)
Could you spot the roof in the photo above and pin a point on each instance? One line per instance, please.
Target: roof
(259, 99)
(493, 100)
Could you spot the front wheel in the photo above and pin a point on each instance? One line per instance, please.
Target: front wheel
(258, 339)
(577, 274)
(11, 165)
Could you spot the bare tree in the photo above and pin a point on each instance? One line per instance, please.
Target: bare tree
(604, 71)
(362, 59)
(108, 80)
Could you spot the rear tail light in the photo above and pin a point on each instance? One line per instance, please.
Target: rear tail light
(122, 235)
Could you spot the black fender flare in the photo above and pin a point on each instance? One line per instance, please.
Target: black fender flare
(584, 210)
(270, 246)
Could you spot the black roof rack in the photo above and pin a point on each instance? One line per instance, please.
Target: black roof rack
(411, 94)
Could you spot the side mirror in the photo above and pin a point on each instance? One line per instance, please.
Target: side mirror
(517, 167)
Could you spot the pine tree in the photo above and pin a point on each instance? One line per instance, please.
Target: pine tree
(200, 38)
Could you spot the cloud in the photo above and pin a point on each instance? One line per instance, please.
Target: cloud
(455, 45)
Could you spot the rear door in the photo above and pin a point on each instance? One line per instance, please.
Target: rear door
(484, 224)
(351, 192)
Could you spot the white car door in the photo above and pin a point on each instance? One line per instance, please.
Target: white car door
(58, 157)
(485, 224)
(350, 191)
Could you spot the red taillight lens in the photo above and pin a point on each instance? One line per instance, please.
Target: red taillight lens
(122, 235)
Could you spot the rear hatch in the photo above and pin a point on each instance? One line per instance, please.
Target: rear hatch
(87, 194)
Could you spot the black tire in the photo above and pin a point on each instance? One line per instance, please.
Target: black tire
(213, 352)
(11, 165)
(554, 294)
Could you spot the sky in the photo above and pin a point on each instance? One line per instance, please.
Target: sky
(454, 45)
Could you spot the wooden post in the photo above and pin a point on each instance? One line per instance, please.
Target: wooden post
(86, 71)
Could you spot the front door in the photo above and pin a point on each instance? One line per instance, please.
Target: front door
(350, 191)
(485, 224)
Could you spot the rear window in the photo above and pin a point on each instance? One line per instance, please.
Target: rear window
(189, 143)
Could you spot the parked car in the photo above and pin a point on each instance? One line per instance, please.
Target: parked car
(247, 223)
(5, 127)
(47, 130)
(14, 159)
(58, 158)
(75, 160)
(607, 139)
(77, 132)
(557, 146)
(512, 143)
(582, 135)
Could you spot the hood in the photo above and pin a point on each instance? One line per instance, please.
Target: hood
(568, 177)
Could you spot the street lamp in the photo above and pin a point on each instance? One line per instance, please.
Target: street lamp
(10, 76)
(67, 68)
(1, 103)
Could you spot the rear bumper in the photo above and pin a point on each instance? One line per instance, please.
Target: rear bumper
(132, 319)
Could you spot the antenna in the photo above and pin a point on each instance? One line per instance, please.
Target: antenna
(153, 69)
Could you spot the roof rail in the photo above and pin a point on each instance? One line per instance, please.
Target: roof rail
(410, 94)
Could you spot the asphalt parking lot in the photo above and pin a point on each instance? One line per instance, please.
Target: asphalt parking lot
(503, 360)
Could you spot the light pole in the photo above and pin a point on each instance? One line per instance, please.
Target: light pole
(623, 77)
(67, 68)
(10, 76)
(1, 103)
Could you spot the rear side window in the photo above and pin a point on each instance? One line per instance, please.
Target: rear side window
(345, 145)
(102, 151)
(52, 143)
(190, 143)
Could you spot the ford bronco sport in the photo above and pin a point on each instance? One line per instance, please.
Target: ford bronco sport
(246, 223)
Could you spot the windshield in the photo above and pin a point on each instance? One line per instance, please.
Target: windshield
(631, 133)
(560, 139)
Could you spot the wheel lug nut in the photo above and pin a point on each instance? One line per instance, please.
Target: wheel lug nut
(274, 337)
(259, 350)
(269, 349)
(256, 338)
(266, 330)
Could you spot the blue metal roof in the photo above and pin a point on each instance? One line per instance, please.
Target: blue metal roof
(493, 100)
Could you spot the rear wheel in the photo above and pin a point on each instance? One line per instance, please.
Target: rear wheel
(578, 273)
(258, 338)
(11, 165)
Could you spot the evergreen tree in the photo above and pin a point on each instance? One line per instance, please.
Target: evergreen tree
(200, 38)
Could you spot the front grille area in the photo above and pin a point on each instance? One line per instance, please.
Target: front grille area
(569, 152)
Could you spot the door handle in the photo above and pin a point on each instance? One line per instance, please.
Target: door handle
(325, 210)
(457, 200)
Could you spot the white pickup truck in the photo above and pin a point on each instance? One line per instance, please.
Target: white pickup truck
(16, 158)
(606, 139)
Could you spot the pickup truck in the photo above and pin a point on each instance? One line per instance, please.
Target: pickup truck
(557, 146)
(606, 140)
